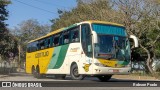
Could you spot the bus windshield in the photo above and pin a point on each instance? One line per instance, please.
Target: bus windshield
(112, 42)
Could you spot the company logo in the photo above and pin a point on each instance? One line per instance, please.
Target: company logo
(41, 54)
(21, 84)
(6, 84)
(74, 49)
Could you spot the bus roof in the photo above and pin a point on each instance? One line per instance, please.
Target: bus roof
(76, 24)
(104, 22)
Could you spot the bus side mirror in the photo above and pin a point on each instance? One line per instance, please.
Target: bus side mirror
(95, 38)
(135, 39)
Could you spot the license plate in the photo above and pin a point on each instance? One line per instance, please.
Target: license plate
(115, 70)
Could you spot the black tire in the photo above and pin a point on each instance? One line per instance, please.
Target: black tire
(33, 72)
(38, 75)
(74, 73)
(104, 78)
(60, 76)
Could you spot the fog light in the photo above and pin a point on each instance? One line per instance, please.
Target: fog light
(99, 64)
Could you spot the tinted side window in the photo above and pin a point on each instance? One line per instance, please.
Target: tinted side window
(75, 34)
(51, 41)
(34, 46)
(56, 40)
(28, 48)
(66, 37)
(42, 44)
(31, 47)
(61, 39)
(47, 42)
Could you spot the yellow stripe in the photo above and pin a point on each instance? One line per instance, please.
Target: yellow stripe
(104, 22)
(110, 63)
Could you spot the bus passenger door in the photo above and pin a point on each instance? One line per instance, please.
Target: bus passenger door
(86, 53)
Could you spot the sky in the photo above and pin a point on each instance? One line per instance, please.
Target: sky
(42, 10)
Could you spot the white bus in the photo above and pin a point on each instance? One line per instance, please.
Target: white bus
(89, 48)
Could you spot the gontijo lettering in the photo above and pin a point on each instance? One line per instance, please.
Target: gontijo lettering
(41, 54)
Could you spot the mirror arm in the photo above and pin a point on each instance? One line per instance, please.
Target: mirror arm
(135, 39)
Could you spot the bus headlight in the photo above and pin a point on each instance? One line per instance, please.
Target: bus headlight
(99, 64)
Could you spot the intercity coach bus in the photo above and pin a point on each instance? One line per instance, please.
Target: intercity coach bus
(89, 48)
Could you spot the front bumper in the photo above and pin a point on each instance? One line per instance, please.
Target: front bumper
(110, 70)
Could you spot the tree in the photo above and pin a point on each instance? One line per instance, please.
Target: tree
(29, 30)
(7, 40)
(86, 10)
(141, 17)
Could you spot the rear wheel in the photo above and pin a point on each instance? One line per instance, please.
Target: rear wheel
(104, 78)
(74, 73)
(38, 75)
(33, 71)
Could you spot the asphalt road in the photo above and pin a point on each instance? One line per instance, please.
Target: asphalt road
(29, 77)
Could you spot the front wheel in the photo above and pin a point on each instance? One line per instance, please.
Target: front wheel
(74, 73)
(104, 78)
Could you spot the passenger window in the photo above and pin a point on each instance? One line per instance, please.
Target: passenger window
(47, 42)
(61, 39)
(51, 41)
(28, 47)
(34, 46)
(42, 44)
(75, 35)
(66, 37)
(56, 40)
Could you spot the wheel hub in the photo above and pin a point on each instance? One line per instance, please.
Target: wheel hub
(76, 72)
